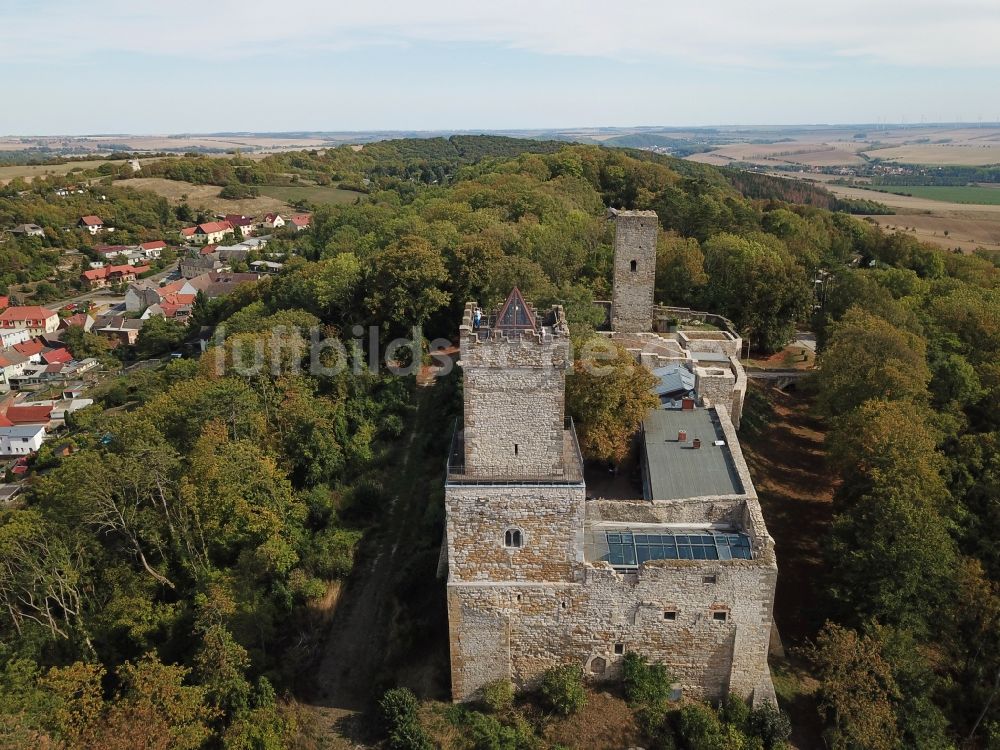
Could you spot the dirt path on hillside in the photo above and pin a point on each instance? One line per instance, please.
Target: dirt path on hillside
(787, 461)
(355, 644)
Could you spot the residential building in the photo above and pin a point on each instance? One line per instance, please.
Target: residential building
(11, 366)
(16, 336)
(211, 232)
(37, 320)
(21, 440)
(93, 224)
(245, 225)
(153, 250)
(300, 221)
(272, 221)
(97, 278)
(119, 329)
(28, 230)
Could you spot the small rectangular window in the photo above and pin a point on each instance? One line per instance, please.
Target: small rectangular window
(670, 615)
(708, 579)
(619, 648)
(720, 616)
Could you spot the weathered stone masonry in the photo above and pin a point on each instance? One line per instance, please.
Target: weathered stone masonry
(635, 270)
(516, 610)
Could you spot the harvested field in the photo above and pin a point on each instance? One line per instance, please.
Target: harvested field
(970, 154)
(808, 154)
(964, 233)
(31, 171)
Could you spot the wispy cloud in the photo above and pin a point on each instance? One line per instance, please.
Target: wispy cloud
(912, 33)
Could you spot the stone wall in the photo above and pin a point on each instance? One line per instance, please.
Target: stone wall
(635, 271)
(715, 384)
(526, 628)
(550, 518)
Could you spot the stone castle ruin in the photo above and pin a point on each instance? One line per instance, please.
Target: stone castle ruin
(542, 572)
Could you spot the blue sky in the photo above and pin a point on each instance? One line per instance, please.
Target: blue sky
(197, 66)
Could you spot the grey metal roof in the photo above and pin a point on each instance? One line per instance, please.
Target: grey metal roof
(673, 379)
(28, 430)
(674, 470)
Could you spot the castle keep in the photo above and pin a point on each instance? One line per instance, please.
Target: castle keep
(542, 572)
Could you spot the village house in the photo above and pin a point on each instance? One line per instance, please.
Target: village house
(193, 267)
(12, 365)
(210, 233)
(21, 440)
(246, 225)
(83, 320)
(119, 330)
(272, 221)
(16, 336)
(28, 230)
(300, 222)
(153, 250)
(266, 266)
(93, 224)
(37, 320)
(111, 251)
(32, 349)
(98, 278)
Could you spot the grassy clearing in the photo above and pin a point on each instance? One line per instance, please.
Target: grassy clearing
(988, 196)
(315, 194)
(206, 196)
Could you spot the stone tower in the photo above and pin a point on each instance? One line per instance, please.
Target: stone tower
(635, 270)
(515, 382)
(514, 494)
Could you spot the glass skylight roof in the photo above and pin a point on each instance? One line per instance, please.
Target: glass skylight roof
(628, 549)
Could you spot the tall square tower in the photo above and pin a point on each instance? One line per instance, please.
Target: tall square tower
(635, 270)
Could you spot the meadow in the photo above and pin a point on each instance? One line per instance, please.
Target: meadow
(316, 194)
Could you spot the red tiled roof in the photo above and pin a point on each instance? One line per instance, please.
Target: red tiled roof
(91, 221)
(188, 231)
(53, 356)
(102, 273)
(301, 220)
(4, 301)
(4, 422)
(79, 319)
(157, 245)
(29, 414)
(214, 226)
(26, 312)
(239, 220)
(29, 348)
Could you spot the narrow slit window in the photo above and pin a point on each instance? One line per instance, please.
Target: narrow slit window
(515, 449)
(635, 266)
(512, 538)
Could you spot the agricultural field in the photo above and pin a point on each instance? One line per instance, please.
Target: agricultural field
(950, 225)
(809, 154)
(973, 194)
(316, 194)
(970, 154)
(29, 172)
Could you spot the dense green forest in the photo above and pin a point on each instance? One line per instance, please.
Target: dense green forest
(159, 582)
